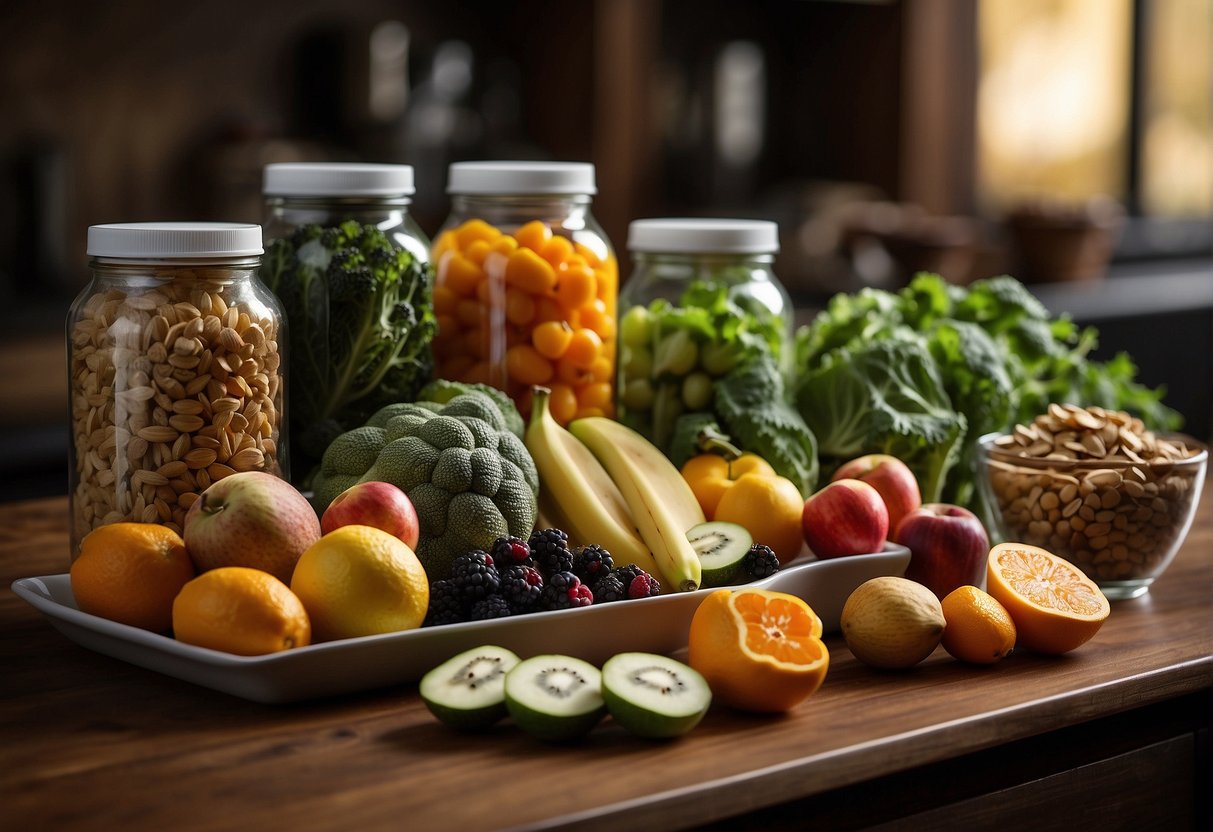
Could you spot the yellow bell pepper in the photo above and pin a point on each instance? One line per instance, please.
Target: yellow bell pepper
(710, 475)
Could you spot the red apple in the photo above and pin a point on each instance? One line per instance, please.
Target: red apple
(378, 504)
(890, 476)
(250, 519)
(948, 547)
(847, 517)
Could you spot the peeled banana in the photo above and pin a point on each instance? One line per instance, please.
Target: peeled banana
(577, 494)
(657, 496)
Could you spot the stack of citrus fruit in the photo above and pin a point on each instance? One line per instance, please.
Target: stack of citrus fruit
(354, 581)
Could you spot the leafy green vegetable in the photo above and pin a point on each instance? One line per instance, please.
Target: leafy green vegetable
(883, 396)
(992, 351)
(750, 407)
(360, 320)
(471, 479)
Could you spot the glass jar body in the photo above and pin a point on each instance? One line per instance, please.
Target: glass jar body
(681, 319)
(358, 344)
(526, 291)
(176, 380)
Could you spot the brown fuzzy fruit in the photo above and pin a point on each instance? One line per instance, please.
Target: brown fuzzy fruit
(892, 623)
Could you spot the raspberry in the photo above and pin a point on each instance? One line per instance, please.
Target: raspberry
(643, 586)
(629, 573)
(511, 551)
(581, 596)
(591, 562)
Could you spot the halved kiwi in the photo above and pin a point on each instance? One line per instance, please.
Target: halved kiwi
(467, 691)
(654, 696)
(555, 698)
(721, 547)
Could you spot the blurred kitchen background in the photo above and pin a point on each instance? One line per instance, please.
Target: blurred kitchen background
(1067, 142)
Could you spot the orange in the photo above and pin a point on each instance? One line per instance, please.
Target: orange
(978, 629)
(361, 581)
(770, 508)
(759, 650)
(130, 573)
(240, 610)
(1056, 608)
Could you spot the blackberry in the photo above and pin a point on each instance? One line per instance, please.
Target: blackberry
(629, 573)
(475, 576)
(511, 551)
(643, 585)
(550, 548)
(521, 587)
(561, 592)
(492, 606)
(609, 588)
(759, 562)
(591, 562)
(446, 605)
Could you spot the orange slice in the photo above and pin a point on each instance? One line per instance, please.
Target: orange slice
(1056, 608)
(759, 650)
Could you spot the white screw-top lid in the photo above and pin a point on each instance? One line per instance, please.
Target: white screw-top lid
(524, 178)
(174, 239)
(337, 179)
(708, 236)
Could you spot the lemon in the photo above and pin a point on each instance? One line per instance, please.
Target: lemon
(361, 581)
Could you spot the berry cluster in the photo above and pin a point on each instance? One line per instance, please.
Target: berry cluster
(517, 576)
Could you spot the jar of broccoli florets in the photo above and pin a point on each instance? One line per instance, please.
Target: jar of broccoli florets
(702, 297)
(526, 286)
(351, 269)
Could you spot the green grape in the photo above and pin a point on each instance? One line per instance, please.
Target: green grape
(676, 354)
(718, 357)
(638, 394)
(697, 391)
(637, 362)
(636, 327)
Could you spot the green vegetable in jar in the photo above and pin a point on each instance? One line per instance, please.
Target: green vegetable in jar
(360, 320)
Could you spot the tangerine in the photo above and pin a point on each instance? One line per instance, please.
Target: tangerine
(759, 650)
(130, 573)
(1056, 607)
(977, 629)
(240, 610)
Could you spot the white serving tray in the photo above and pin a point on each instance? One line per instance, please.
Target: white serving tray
(655, 625)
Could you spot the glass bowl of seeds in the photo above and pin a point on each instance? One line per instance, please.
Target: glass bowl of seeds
(1096, 487)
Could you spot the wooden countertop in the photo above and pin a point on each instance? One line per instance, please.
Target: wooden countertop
(91, 742)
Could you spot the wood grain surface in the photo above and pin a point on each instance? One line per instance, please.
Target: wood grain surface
(93, 743)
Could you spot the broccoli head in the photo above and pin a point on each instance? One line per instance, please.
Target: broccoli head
(469, 477)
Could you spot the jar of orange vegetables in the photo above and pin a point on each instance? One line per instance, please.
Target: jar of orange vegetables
(526, 284)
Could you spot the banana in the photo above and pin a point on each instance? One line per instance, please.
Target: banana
(577, 494)
(656, 494)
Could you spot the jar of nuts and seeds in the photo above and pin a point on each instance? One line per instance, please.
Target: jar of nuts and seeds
(176, 377)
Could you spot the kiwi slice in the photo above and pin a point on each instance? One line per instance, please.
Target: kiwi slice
(555, 698)
(654, 696)
(467, 691)
(721, 547)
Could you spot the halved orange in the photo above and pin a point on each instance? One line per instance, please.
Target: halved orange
(1056, 608)
(759, 650)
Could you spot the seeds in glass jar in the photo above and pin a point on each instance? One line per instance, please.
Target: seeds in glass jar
(142, 391)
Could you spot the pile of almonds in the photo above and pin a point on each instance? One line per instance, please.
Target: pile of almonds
(1096, 486)
(172, 388)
